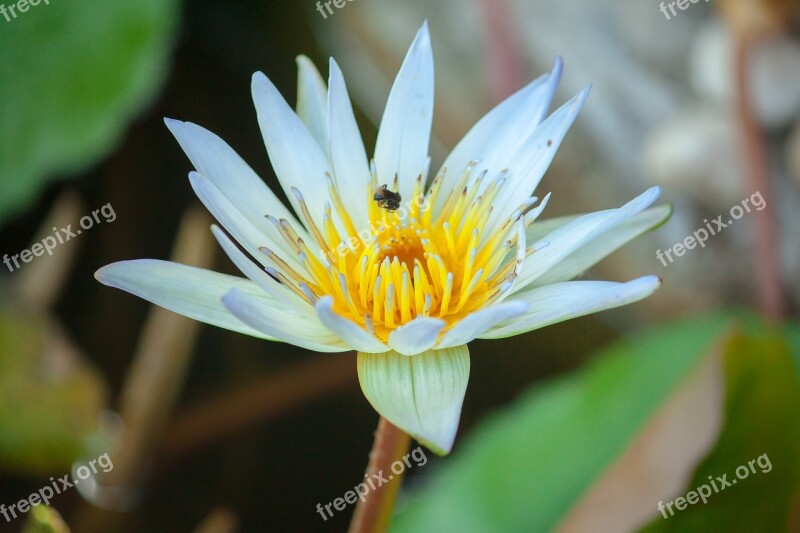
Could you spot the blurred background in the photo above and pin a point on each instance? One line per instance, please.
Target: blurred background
(581, 426)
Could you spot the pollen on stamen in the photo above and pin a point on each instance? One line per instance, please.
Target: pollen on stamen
(421, 260)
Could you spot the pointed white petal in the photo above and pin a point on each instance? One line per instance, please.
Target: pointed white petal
(501, 131)
(347, 330)
(479, 322)
(416, 336)
(186, 290)
(245, 233)
(260, 277)
(295, 155)
(405, 130)
(312, 101)
(528, 164)
(563, 301)
(571, 236)
(348, 155)
(594, 251)
(275, 320)
(232, 176)
(422, 395)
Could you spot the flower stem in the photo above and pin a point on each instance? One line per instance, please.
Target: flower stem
(767, 257)
(374, 513)
(505, 67)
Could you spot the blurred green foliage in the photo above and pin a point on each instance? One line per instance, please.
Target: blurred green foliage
(50, 402)
(72, 75)
(44, 519)
(762, 416)
(526, 469)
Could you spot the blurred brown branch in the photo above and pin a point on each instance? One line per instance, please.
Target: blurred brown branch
(264, 399)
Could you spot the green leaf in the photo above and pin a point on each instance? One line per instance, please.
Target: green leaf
(762, 425)
(72, 75)
(526, 468)
(50, 401)
(793, 336)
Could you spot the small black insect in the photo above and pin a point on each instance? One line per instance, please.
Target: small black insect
(387, 199)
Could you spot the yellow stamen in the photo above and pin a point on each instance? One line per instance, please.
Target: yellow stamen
(409, 262)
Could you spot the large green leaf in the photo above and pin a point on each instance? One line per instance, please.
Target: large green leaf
(762, 426)
(72, 74)
(525, 469)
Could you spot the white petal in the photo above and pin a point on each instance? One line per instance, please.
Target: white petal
(260, 277)
(312, 102)
(563, 301)
(405, 130)
(186, 290)
(348, 155)
(416, 336)
(566, 239)
(501, 131)
(347, 330)
(527, 165)
(479, 322)
(245, 233)
(422, 395)
(295, 155)
(232, 177)
(593, 252)
(285, 326)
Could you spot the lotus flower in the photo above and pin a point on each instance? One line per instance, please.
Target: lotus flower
(408, 283)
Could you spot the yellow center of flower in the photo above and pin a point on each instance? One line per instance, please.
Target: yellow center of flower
(408, 263)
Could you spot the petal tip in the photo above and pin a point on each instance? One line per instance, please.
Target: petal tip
(261, 82)
(173, 124)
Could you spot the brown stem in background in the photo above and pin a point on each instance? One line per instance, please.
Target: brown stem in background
(151, 386)
(40, 282)
(767, 258)
(220, 520)
(162, 357)
(375, 512)
(505, 67)
(262, 400)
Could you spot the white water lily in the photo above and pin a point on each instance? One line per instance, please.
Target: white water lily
(463, 258)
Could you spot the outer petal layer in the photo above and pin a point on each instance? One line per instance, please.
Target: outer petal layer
(278, 322)
(404, 134)
(348, 156)
(189, 291)
(422, 395)
(563, 301)
(501, 131)
(572, 236)
(312, 101)
(347, 330)
(295, 154)
(593, 252)
(482, 321)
